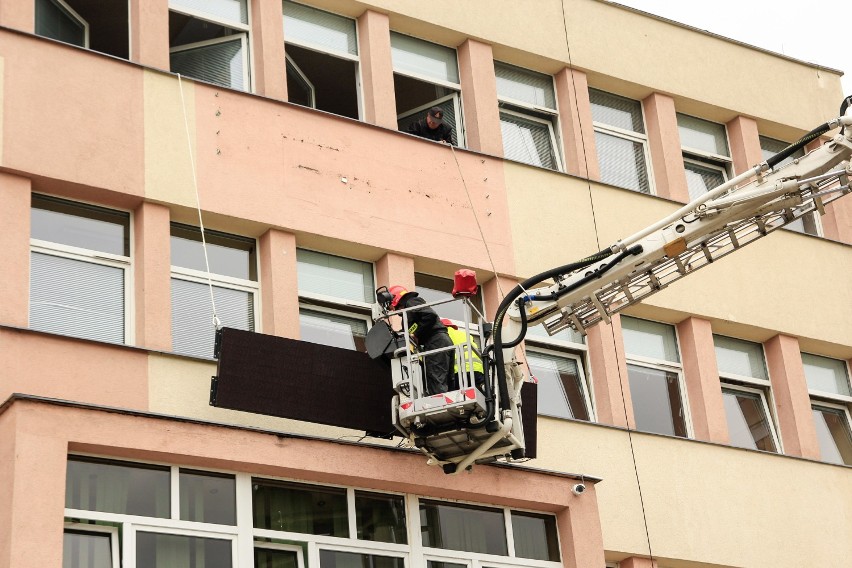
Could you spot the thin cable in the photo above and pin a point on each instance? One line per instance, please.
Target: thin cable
(598, 243)
(478, 225)
(216, 322)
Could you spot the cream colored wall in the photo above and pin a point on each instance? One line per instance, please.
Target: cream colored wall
(709, 504)
(170, 125)
(630, 53)
(180, 386)
(786, 282)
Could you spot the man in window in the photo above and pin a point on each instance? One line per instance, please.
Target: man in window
(432, 127)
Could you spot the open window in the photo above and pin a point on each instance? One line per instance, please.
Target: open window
(93, 24)
(208, 41)
(656, 377)
(322, 60)
(426, 74)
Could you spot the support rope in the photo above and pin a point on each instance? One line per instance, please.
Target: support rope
(597, 240)
(216, 322)
(478, 224)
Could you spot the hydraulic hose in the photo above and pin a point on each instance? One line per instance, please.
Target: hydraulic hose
(513, 295)
(796, 146)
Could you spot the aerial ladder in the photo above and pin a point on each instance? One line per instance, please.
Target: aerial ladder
(479, 423)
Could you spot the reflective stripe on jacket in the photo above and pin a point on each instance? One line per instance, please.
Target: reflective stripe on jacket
(460, 338)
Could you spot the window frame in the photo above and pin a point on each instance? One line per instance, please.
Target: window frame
(840, 407)
(300, 557)
(245, 538)
(312, 90)
(115, 556)
(675, 367)
(244, 30)
(461, 140)
(353, 58)
(630, 136)
(829, 396)
(553, 113)
(425, 78)
(767, 412)
(333, 305)
(218, 281)
(125, 263)
(538, 346)
(755, 385)
(554, 143)
(703, 158)
(241, 37)
(72, 13)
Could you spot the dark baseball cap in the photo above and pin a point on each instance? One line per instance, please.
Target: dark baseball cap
(437, 114)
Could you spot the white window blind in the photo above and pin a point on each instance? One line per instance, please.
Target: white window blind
(335, 276)
(620, 141)
(650, 339)
(424, 59)
(702, 135)
(332, 329)
(221, 63)
(523, 85)
(527, 141)
(616, 111)
(77, 298)
(193, 332)
(826, 375)
(318, 29)
(622, 162)
(739, 357)
(228, 10)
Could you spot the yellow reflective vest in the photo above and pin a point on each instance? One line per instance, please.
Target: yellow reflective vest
(459, 337)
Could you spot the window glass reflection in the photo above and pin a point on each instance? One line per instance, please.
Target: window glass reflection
(208, 498)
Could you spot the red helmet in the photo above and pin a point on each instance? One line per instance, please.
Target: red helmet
(398, 292)
(449, 323)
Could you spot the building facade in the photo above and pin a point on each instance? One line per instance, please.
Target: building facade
(710, 425)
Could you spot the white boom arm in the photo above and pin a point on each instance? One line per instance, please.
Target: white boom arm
(720, 222)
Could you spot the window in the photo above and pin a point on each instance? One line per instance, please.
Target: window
(322, 60)
(557, 363)
(654, 373)
(621, 141)
(79, 262)
(831, 395)
(143, 515)
(233, 276)
(335, 297)
(208, 41)
(745, 393)
(426, 75)
(808, 223)
(164, 515)
(90, 546)
(706, 157)
(528, 116)
(99, 26)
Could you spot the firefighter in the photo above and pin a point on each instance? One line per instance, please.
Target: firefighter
(428, 333)
(459, 337)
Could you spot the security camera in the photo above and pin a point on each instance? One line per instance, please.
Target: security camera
(578, 489)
